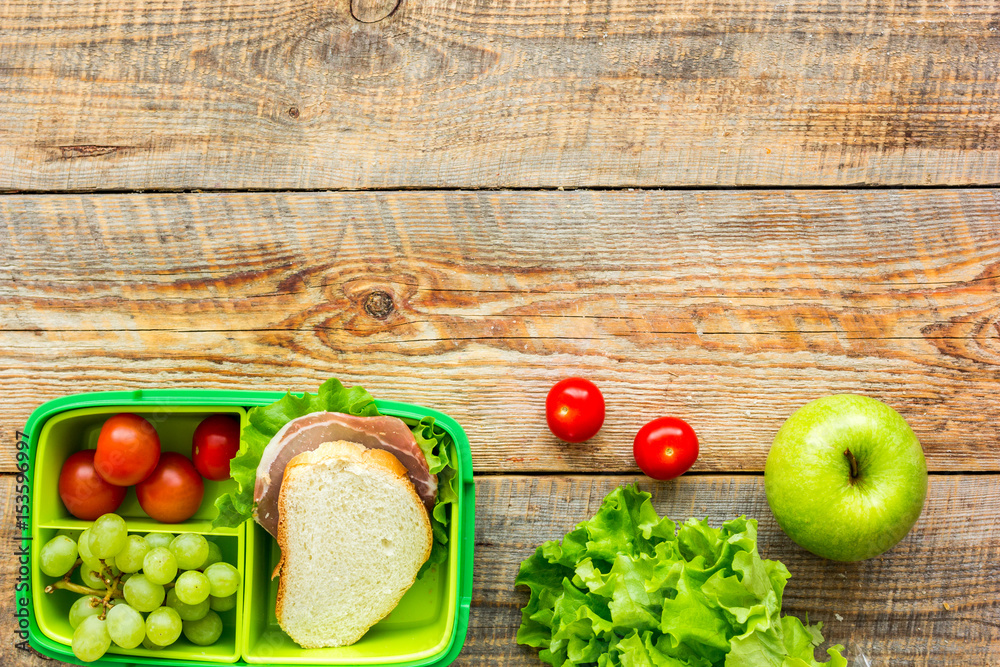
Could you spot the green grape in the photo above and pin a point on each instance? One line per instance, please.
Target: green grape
(163, 626)
(192, 587)
(129, 559)
(187, 612)
(125, 577)
(159, 539)
(83, 544)
(91, 640)
(214, 555)
(204, 631)
(108, 535)
(222, 604)
(125, 626)
(82, 609)
(190, 549)
(58, 556)
(150, 645)
(92, 579)
(223, 578)
(143, 594)
(160, 565)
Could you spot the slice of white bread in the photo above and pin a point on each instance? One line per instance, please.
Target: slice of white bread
(353, 534)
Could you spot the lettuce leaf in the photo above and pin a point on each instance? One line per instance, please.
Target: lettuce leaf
(434, 441)
(628, 588)
(265, 421)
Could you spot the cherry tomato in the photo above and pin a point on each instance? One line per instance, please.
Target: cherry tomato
(85, 493)
(216, 440)
(174, 491)
(127, 449)
(574, 409)
(665, 448)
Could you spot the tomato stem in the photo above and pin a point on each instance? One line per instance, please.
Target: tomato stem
(854, 464)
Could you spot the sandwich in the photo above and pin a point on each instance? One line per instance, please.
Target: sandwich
(353, 530)
(353, 535)
(308, 432)
(358, 502)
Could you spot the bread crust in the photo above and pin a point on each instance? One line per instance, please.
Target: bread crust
(378, 461)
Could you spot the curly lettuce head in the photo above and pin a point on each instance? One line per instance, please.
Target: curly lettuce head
(628, 588)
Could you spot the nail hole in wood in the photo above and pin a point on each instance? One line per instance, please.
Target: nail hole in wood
(293, 112)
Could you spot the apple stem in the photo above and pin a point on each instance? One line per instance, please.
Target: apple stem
(854, 464)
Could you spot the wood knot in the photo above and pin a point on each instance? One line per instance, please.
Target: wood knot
(379, 304)
(293, 112)
(373, 11)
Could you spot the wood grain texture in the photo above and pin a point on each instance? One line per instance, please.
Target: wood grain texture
(730, 309)
(237, 94)
(893, 607)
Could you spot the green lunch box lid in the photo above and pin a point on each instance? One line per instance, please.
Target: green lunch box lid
(439, 601)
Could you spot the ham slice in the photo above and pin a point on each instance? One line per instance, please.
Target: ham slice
(310, 431)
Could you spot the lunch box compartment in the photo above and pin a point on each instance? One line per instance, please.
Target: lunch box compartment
(418, 628)
(51, 611)
(75, 430)
(427, 628)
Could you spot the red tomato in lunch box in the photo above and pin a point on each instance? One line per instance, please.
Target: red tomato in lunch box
(574, 409)
(84, 492)
(128, 449)
(174, 491)
(665, 448)
(216, 441)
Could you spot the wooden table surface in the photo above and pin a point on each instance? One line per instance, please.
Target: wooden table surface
(714, 210)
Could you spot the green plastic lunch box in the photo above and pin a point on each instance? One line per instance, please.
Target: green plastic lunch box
(426, 629)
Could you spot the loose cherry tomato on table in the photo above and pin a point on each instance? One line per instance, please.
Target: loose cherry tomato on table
(665, 448)
(127, 450)
(84, 492)
(174, 491)
(574, 409)
(216, 440)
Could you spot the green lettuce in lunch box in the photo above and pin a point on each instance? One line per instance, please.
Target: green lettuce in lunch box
(631, 589)
(265, 421)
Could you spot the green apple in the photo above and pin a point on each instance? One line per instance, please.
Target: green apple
(846, 477)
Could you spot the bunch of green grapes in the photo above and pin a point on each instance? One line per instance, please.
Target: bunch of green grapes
(140, 590)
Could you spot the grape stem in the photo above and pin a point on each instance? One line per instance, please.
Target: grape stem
(112, 582)
(64, 582)
(76, 588)
(78, 563)
(104, 597)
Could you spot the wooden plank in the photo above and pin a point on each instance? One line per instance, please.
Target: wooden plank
(235, 94)
(893, 607)
(730, 309)
(932, 600)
